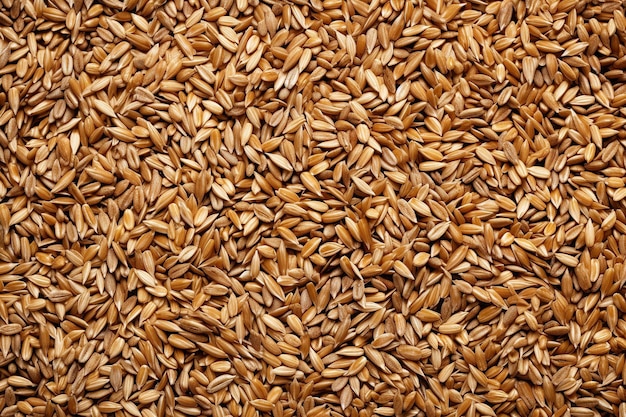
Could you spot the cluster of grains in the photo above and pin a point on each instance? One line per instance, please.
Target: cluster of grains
(312, 208)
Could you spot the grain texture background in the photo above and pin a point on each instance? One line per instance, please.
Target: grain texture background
(312, 208)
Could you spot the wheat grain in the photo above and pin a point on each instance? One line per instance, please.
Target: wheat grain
(245, 208)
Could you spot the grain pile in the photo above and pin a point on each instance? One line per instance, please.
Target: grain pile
(312, 208)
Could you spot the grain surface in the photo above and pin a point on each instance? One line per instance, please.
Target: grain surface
(312, 208)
